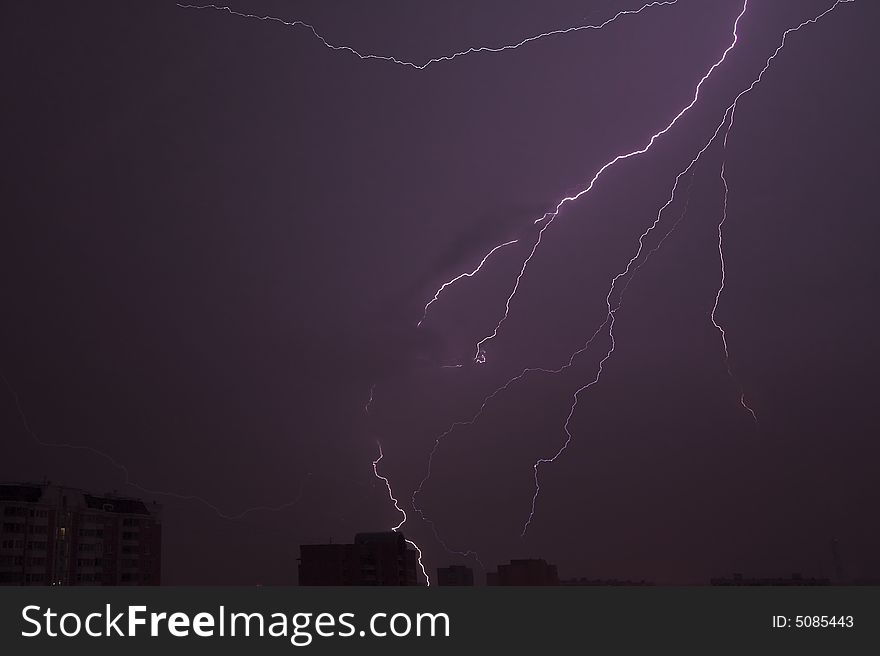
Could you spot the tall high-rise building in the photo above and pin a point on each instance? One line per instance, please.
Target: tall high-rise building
(374, 559)
(55, 535)
(530, 571)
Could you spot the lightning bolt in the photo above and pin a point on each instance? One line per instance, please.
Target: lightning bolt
(545, 221)
(548, 218)
(721, 331)
(629, 269)
(732, 109)
(718, 326)
(469, 274)
(609, 322)
(400, 510)
(128, 480)
(610, 318)
(436, 60)
(729, 112)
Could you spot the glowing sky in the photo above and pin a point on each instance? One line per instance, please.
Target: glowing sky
(221, 237)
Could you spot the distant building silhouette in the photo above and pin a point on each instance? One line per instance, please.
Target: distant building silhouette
(455, 575)
(54, 535)
(795, 579)
(530, 571)
(374, 559)
(609, 582)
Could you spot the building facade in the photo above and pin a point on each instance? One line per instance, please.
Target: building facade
(55, 535)
(373, 559)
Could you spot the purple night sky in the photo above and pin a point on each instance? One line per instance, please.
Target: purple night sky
(219, 236)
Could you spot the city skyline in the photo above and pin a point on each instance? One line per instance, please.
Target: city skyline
(57, 535)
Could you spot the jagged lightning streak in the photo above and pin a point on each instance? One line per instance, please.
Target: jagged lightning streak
(658, 245)
(128, 481)
(400, 510)
(730, 111)
(611, 318)
(629, 272)
(467, 274)
(718, 326)
(435, 60)
(565, 427)
(721, 331)
(480, 357)
(550, 217)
